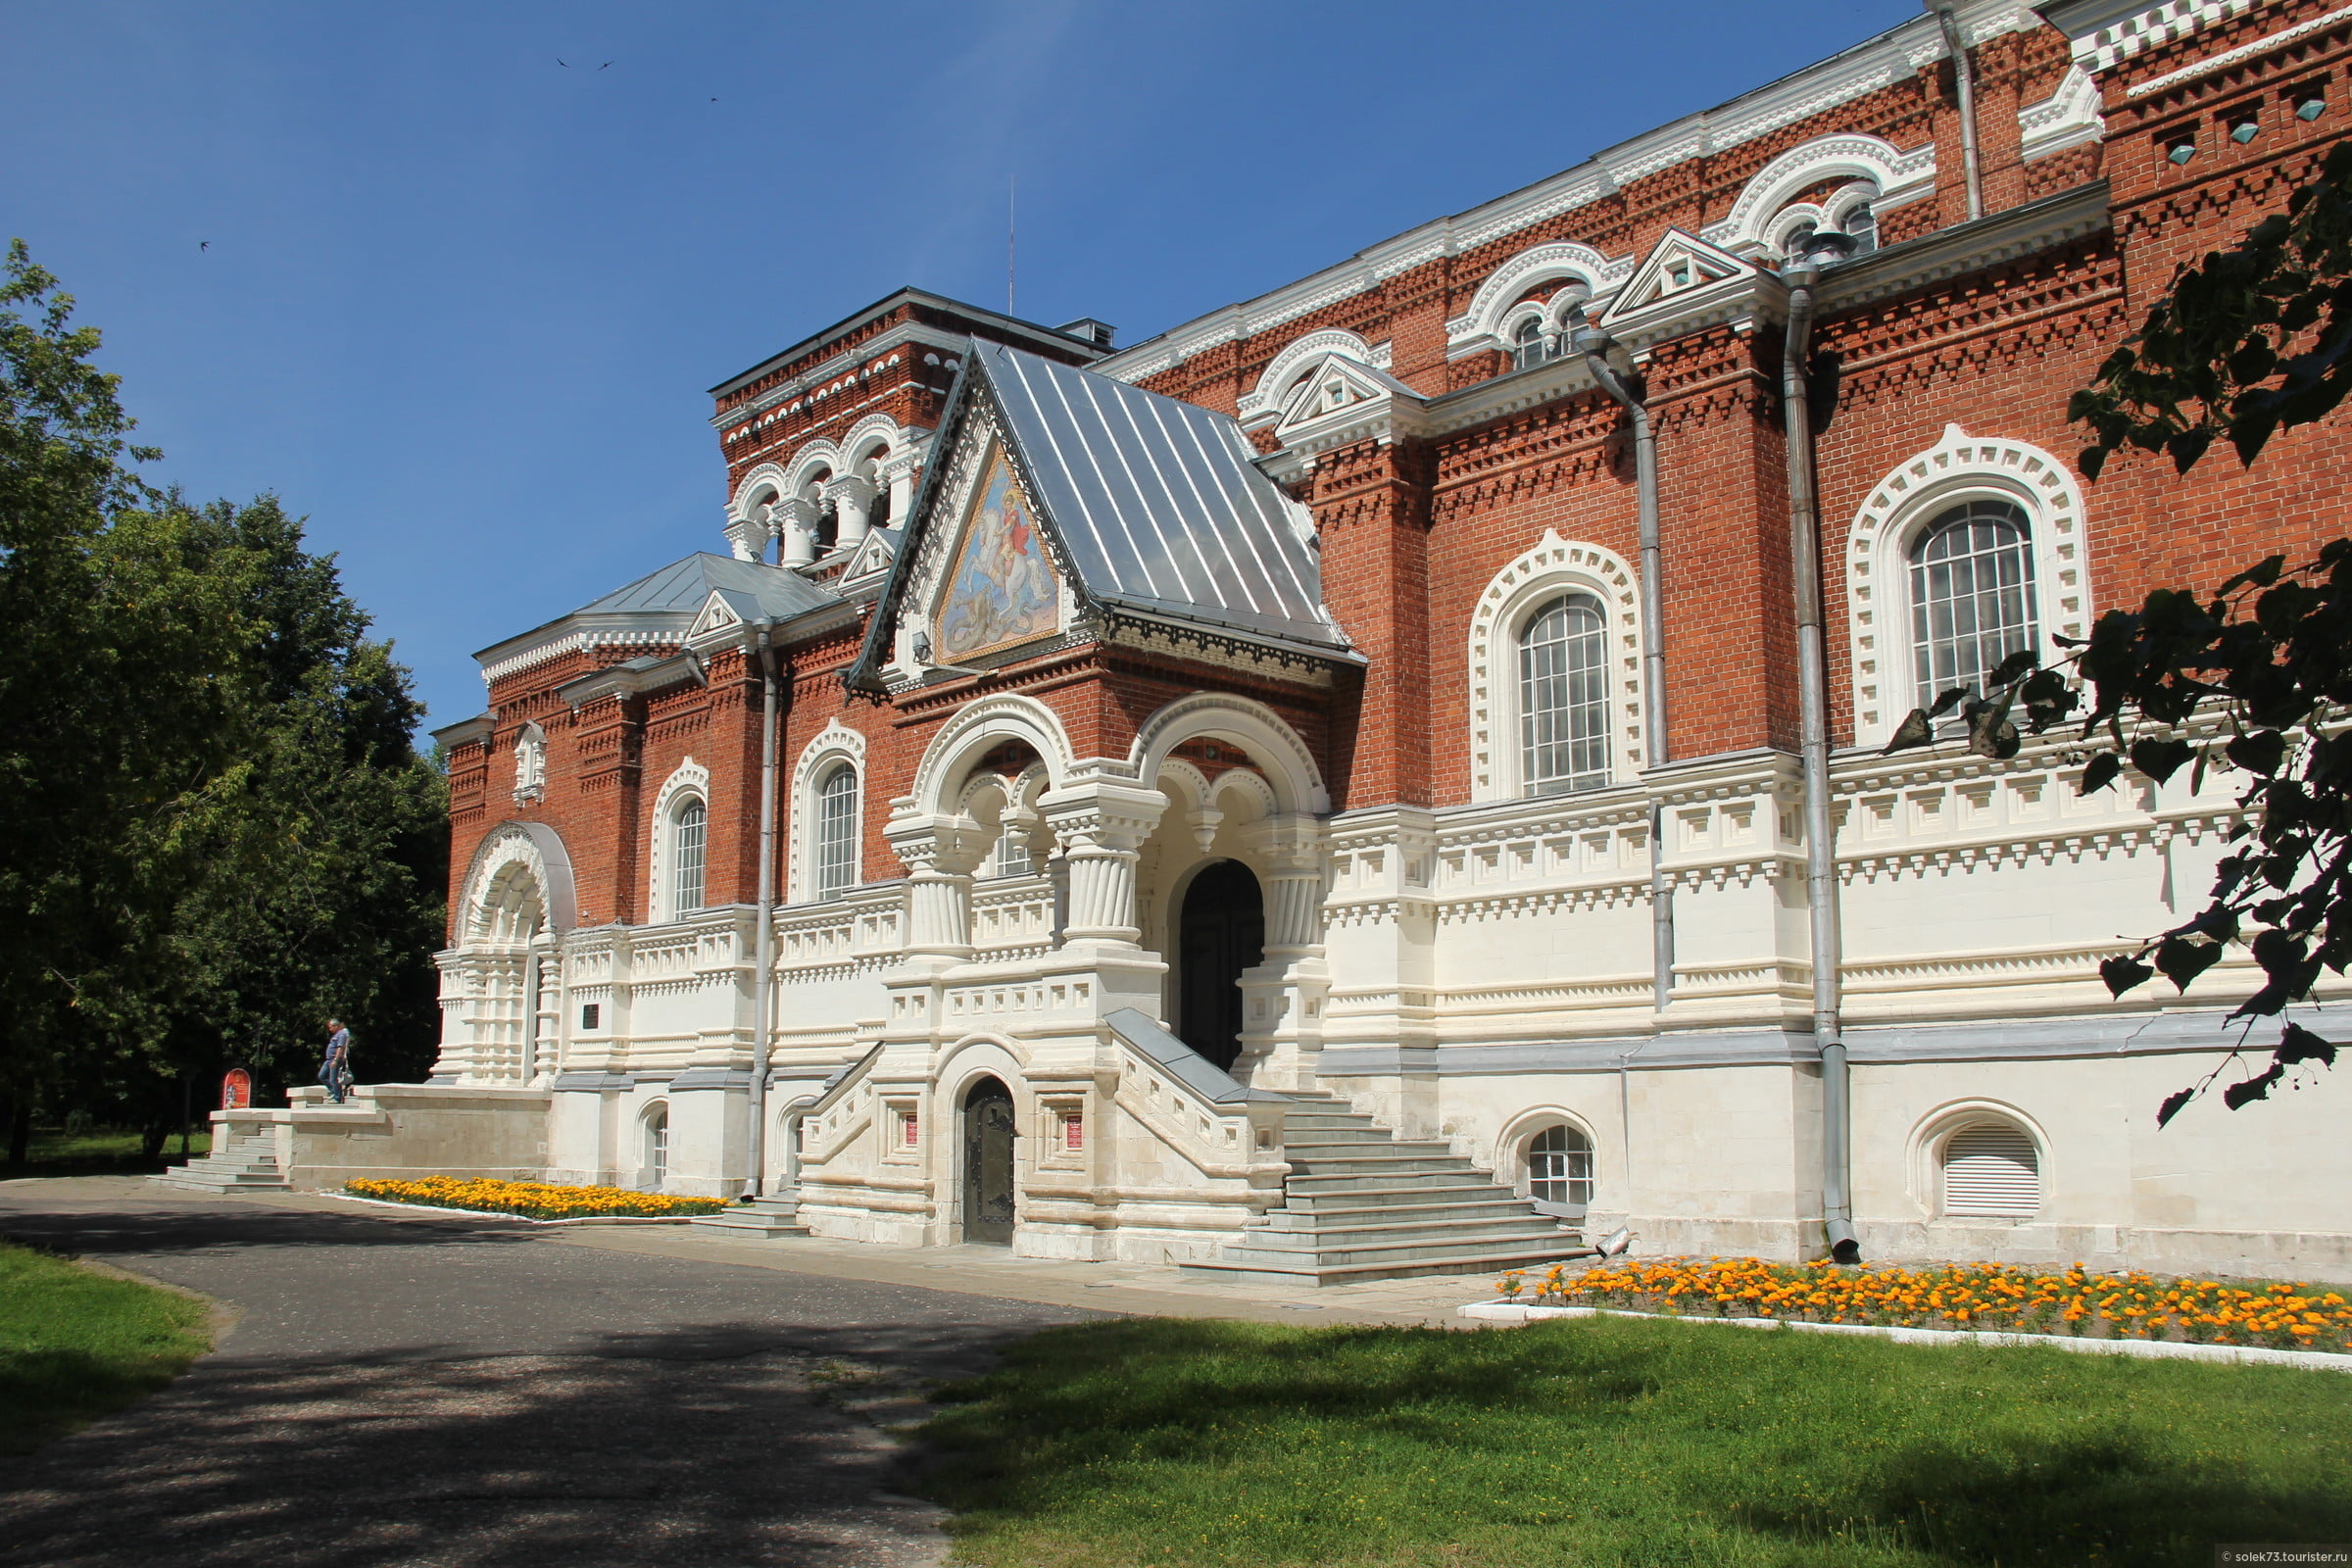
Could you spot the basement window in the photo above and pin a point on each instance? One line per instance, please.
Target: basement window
(1992, 1170)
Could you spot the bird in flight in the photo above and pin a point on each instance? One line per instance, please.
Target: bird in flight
(607, 65)
(206, 244)
(560, 61)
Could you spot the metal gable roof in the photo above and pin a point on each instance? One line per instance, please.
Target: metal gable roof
(1157, 500)
(683, 587)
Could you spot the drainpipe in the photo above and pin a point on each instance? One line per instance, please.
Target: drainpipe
(764, 984)
(1801, 275)
(1595, 346)
(1964, 77)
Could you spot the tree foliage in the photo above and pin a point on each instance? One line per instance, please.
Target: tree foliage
(2254, 677)
(2249, 342)
(223, 827)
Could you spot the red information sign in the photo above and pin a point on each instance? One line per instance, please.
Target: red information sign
(236, 1090)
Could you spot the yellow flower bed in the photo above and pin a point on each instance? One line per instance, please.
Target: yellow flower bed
(1959, 1295)
(533, 1199)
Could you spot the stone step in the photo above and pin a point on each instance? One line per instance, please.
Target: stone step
(1383, 1181)
(1418, 1240)
(1367, 1192)
(1501, 1206)
(1318, 1274)
(761, 1218)
(204, 1181)
(1324, 1146)
(1376, 1162)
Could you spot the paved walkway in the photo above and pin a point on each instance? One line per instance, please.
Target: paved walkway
(405, 1389)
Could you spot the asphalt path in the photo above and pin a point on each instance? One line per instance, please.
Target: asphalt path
(417, 1390)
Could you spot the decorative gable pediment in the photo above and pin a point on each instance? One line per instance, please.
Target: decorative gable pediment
(1684, 278)
(718, 614)
(871, 561)
(1341, 399)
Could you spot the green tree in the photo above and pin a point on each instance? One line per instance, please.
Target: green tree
(225, 833)
(2255, 677)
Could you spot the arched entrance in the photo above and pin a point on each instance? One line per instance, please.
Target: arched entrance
(988, 1164)
(1221, 932)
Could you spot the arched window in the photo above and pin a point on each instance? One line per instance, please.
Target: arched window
(1990, 1168)
(1972, 595)
(1527, 345)
(837, 832)
(1862, 224)
(1012, 847)
(1559, 1170)
(688, 829)
(1565, 697)
(656, 1146)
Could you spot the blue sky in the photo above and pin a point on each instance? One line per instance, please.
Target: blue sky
(461, 303)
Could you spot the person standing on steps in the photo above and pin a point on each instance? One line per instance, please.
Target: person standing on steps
(335, 1071)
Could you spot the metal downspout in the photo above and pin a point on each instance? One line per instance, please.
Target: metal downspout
(1812, 672)
(1964, 78)
(764, 984)
(1594, 345)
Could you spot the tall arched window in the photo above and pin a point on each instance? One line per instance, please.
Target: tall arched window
(688, 830)
(1565, 697)
(837, 832)
(1560, 1169)
(657, 1146)
(1972, 595)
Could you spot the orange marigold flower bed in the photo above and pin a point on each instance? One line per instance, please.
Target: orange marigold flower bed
(1996, 1296)
(533, 1199)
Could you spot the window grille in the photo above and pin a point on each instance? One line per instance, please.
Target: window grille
(1565, 697)
(1991, 1168)
(1972, 595)
(837, 832)
(1559, 1168)
(688, 832)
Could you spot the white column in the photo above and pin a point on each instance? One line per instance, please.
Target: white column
(940, 854)
(800, 531)
(1100, 826)
(853, 501)
(899, 473)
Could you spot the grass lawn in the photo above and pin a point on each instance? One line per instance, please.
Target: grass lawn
(1589, 1445)
(100, 1151)
(76, 1344)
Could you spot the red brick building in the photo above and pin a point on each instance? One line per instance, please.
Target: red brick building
(1354, 741)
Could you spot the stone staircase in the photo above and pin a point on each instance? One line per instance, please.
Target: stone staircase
(1364, 1204)
(241, 1163)
(758, 1220)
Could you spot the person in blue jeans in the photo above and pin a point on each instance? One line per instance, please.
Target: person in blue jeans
(335, 1071)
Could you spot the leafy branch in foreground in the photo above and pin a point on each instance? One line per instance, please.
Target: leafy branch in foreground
(2258, 680)
(2247, 343)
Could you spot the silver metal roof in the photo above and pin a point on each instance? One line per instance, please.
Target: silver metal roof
(683, 587)
(1159, 500)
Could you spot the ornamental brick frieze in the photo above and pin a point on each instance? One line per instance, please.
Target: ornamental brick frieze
(2079, 278)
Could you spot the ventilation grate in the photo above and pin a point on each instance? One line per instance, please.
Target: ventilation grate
(1991, 1170)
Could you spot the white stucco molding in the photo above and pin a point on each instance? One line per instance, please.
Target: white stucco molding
(689, 780)
(976, 728)
(877, 436)
(1848, 154)
(517, 865)
(1956, 468)
(1264, 399)
(1556, 566)
(835, 743)
(1483, 325)
(1280, 755)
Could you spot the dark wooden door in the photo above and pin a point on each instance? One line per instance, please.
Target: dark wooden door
(1221, 932)
(988, 1164)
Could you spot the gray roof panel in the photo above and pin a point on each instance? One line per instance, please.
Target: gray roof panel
(683, 587)
(1159, 500)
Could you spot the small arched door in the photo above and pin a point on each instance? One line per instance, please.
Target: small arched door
(1222, 931)
(988, 1164)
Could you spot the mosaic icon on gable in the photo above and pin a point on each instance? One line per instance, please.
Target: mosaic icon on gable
(1002, 589)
